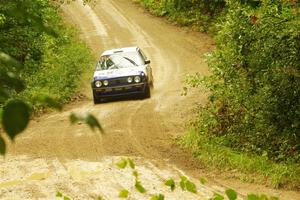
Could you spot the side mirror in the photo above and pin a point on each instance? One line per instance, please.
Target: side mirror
(147, 62)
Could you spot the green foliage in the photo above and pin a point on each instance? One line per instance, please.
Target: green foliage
(88, 119)
(183, 179)
(217, 197)
(60, 195)
(217, 156)
(171, 183)
(202, 180)
(131, 163)
(231, 194)
(122, 163)
(135, 174)
(2, 146)
(197, 13)
(254, 87)
(15, 117)
(139, 187)
(188, 185)
(158, 197)
(41, 61)
(124, 193)
(260, 197)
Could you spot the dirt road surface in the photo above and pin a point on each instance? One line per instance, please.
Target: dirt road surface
(53, 155)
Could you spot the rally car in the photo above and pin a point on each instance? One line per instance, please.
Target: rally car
(122, 72)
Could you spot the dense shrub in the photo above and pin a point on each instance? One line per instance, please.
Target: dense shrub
(197, 13)
(254, 87)
(52, 59)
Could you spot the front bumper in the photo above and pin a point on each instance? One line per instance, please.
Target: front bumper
(138, 88)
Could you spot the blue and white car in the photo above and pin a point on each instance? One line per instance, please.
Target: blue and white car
(122, 72)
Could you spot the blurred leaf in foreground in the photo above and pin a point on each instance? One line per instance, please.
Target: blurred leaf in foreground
(139, 187)
(231, 194)
(2, 146)
(158, 197)
(123, 193)
(89, 119)
(190, 186)
(171, 183)
(122, 163)
(15, 117)
(131, 163)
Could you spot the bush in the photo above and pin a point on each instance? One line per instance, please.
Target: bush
(255, 95)
(52, 59)
(199, 14)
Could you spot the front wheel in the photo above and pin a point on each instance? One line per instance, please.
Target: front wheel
(95, 98)
(147, 92)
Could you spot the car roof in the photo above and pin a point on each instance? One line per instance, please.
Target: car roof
(125, 49)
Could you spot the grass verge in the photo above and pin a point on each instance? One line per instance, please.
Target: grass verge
(248, 168)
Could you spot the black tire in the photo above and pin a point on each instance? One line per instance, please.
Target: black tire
(95, 98)
(147, 92)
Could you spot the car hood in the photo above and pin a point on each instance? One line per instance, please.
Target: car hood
(114, 73)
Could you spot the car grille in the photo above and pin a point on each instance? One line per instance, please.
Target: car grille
(119, 82)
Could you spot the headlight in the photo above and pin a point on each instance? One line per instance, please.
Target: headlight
(137, 79)
(129, 79)
(105, 83)
(98, 83)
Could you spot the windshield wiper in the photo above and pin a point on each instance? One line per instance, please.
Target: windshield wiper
(134, 63)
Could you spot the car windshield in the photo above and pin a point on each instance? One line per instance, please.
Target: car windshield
(120, 60)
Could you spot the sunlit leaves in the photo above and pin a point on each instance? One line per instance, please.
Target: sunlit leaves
(89, 119)
(171, 183)
(22, 12)
(15, 117)
(59, 194)
(139, 187)
(135, 174)
(122, 163)
(188, 185)
(217, 197)
(158, 197)
(124, 193)
(202, 180)
(231, 194)
(182, 182)
(131, 163)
